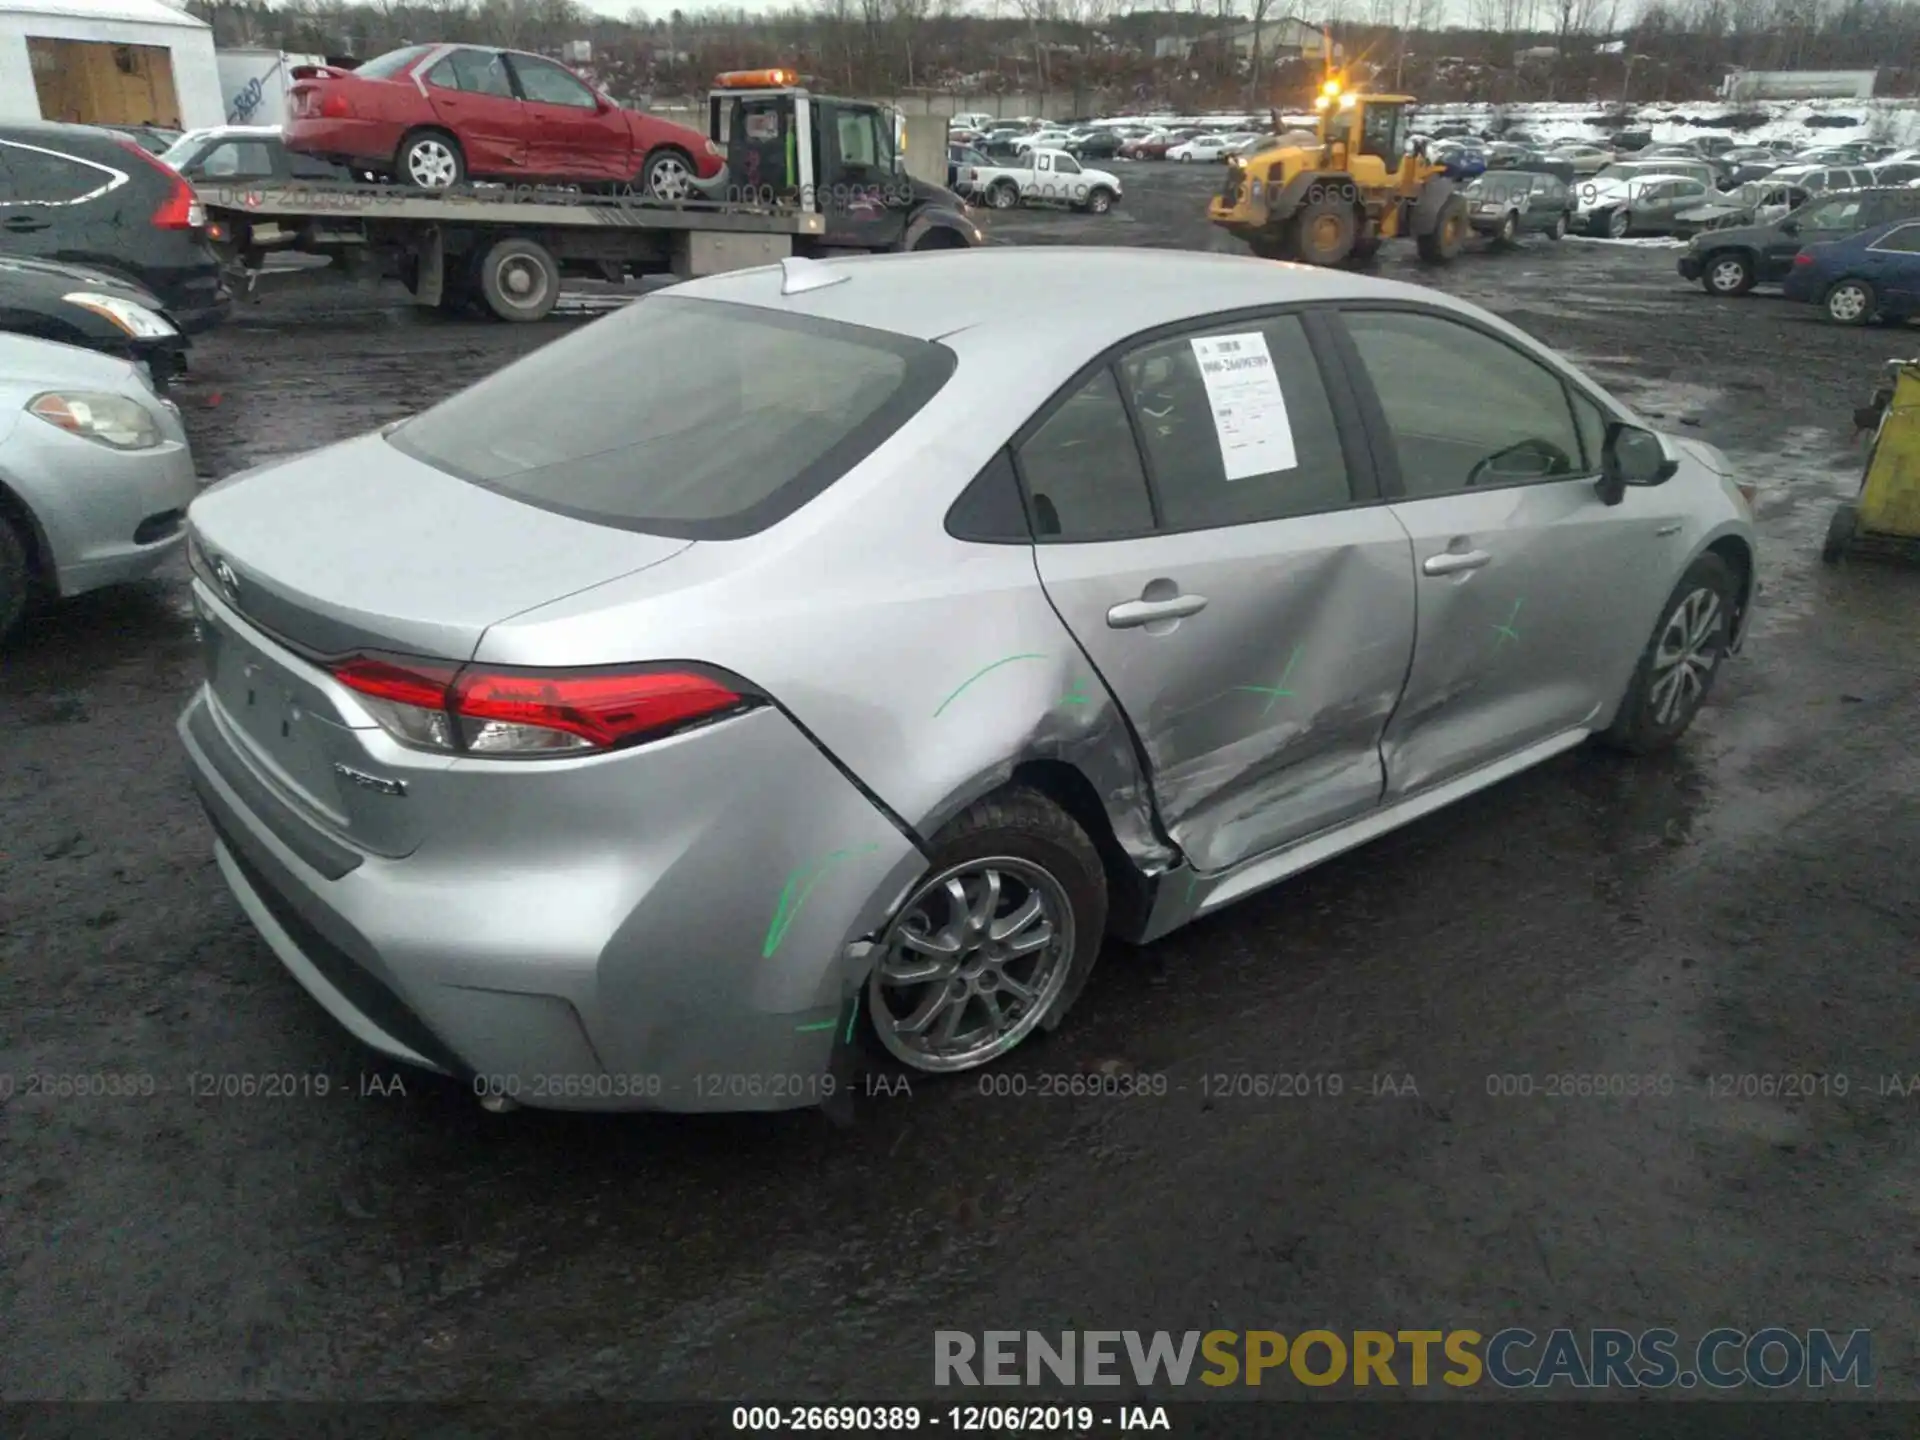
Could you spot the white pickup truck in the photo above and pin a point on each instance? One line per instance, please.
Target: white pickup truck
(1039, 177)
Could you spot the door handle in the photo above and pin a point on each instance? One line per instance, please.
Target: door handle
(1131, 614)
(1452, 562)
(20, 224)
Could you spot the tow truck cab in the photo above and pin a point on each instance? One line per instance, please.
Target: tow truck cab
(844, 158)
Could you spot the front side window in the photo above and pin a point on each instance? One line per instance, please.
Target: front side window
(1082, 469)
(1066, 165)
(1465, 411)
(682, 417)
(547, 84)
(854, 131)
(1237, 425)
(1835, 214)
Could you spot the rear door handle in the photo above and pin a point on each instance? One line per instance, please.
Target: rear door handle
(1452, 562)
(20, 224)
(1132, 614)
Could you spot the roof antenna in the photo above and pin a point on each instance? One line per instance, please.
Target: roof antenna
(798, 274)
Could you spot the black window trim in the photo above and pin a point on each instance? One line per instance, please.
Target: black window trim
(113, 179)
(1387, 460)
(929, 365)
(1363, 481)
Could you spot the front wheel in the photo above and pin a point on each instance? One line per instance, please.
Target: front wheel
(1618, 224)
(1850, 303)
(667, 175)
(995, 943)
(1728, 275)
(1677, 669)
(1100, 201)
(1509, 229)
(1558, 230)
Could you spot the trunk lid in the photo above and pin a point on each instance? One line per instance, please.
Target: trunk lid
(358, 546)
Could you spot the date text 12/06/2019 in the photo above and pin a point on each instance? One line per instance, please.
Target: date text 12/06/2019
(956, 1419)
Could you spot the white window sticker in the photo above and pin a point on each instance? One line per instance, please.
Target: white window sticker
(1249, 412)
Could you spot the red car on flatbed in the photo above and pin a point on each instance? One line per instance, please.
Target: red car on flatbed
(434, 116)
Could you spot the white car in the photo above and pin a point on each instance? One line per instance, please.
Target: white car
(1041, 177)
(1043, 140)
(1202, 147)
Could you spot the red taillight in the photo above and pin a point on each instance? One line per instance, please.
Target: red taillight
(335, 106)
(181, 210)
(499, 712)
(1803, 259)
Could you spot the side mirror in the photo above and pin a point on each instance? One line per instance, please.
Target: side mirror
(1632, 456)
(1789, 227)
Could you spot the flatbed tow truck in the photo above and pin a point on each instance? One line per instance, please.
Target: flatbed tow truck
(804, 175)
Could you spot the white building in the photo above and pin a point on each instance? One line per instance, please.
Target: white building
(1799, 85)
(107, 62)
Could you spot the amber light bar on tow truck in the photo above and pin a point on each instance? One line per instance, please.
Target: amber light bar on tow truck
(755, 80)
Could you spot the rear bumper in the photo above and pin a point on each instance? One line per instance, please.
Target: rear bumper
(1800, 284)
(648, 977)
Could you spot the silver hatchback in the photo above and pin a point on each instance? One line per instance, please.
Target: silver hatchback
(843, 651)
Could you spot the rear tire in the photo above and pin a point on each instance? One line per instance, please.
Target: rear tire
(1558, 232)
(1851, 302)
(1677, 669)
(1509, 228)
(16, 578)
(430, 160)
(1003, 195)
(1840, 532)
(1619, 225)
(520, 281)
(1041, 858)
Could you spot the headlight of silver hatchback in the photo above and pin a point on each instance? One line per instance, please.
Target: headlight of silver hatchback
(112, 420)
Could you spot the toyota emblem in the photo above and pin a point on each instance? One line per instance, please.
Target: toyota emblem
(229, 582)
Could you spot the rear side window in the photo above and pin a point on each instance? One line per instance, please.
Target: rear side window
(1903, 239)
(691, 418)
(385, 67)
(479, 72)
(41, 177)
(1082, 469)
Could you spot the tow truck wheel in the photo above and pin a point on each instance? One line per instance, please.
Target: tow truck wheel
(519, 280)
(430, 160)
(667, 175)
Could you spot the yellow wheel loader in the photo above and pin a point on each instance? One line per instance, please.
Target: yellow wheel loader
(1362, 183)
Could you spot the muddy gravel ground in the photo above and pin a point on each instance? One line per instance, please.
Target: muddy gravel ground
(1741, 908)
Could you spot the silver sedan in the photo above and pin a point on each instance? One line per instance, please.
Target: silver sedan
(95, 473)
(846, 651)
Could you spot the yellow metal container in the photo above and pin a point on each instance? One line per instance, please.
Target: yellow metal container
(1885, 518)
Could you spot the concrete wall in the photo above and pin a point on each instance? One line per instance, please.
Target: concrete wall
(196, 78)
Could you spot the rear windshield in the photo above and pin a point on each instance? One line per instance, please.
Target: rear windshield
(690, 418)
(385, 67)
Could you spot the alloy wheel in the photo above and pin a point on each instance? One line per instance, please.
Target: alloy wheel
(1689, 648)
(1727, 276)
(431, 165)
(974, 961)
(669, 178)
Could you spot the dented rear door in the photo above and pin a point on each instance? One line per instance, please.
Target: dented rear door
(1252, 614)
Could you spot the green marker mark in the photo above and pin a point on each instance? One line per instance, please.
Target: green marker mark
(852, 1015)
(989, 669)
(1507, 632)
(1274, 692)
(1076, 696)
(817, 1025)
(794, 894)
